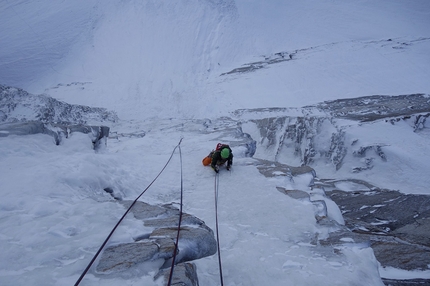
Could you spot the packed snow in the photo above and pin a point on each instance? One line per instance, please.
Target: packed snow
(158, 64)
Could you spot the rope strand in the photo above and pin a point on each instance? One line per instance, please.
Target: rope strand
(179, 225)
(217, 231)
(113, 230)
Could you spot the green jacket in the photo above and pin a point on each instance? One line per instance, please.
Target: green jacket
(218, 160)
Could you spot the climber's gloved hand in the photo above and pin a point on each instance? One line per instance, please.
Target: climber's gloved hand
(216, 169)
(228, 168)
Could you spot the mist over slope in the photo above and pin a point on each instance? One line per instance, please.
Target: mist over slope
(164, 59)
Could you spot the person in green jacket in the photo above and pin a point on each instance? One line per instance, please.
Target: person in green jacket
(220, 157)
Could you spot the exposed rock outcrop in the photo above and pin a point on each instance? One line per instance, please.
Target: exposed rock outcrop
(397, 225)
(196, 240)
(320, 133)
(370, 108)
(59, 132)
(19, 105)
(184, 274)
(22, 113)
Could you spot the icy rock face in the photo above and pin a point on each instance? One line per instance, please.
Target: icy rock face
(298, 185)
(22, 113)
(370, 108)
(59, 132)
(397, 225)
(304, 137)
(184, 274)
(18, 105)
(196, 240)
(127, 255)
(321, 133)
(420, 121)
(268, 60)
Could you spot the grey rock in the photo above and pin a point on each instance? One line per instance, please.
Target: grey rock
(271, 169)
(199, 242)
(401, 255)
(370, 108)
(409, 282)
(295, 194)
(174, 221)
(397, 225)
(184, 274)
(196, 240)
(417, 230)
(99, 134)
(268, 60)
(142, 210)
(124, 256)
(46, 109)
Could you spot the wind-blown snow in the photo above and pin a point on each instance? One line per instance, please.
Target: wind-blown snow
(151, 61)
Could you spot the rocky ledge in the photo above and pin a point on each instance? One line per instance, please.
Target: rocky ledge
(396, 225)
(153, 251)
(59, 132)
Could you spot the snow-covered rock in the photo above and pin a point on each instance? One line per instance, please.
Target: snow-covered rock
(154, 250)
(396, 225)
(17, 104)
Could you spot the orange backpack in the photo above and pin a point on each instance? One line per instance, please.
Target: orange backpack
(206, 161)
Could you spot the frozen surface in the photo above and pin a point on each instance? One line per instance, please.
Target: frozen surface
(156, 62)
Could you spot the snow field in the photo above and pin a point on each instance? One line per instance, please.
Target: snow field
(61, 220)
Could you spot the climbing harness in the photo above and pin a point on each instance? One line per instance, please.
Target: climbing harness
(134, 202)
(216, 225)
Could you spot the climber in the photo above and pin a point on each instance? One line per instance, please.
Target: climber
(219, 157)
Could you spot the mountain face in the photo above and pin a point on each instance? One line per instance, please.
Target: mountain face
(324, 104)
(18, 105)
(324, 134)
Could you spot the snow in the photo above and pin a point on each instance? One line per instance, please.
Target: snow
(393, 273)
(407, 154)
(157, 63)
(123, 50)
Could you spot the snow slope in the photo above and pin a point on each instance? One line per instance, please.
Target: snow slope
(155, 62)
(139, 57)
(51, 227)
